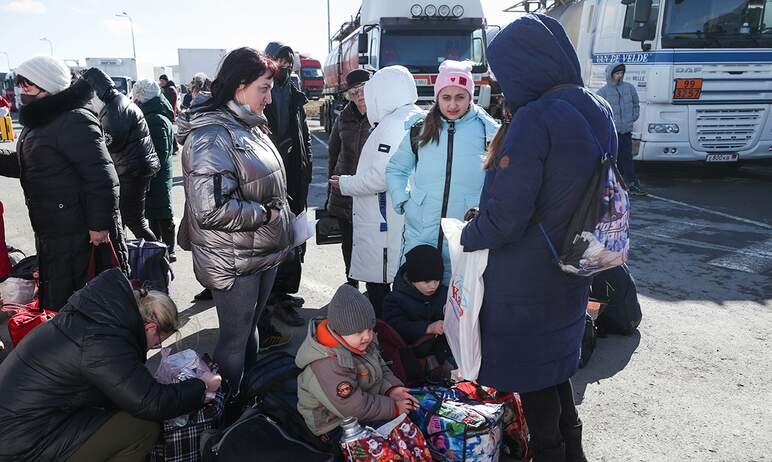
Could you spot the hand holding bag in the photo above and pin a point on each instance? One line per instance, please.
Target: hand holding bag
(328, 229)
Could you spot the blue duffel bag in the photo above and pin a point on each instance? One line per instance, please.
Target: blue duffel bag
(150, 267)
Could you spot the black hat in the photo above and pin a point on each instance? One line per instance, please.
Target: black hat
(618, 68)
(357, 76)
(163, 77)
(424, 263)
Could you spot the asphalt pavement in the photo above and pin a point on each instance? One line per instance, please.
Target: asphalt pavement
(691, 385)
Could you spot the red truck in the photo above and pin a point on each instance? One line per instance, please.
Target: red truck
(311, 77)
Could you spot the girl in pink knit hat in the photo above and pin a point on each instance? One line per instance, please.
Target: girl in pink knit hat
(444, 157)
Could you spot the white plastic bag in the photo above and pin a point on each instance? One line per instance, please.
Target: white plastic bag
(465, 297)
(17, 290)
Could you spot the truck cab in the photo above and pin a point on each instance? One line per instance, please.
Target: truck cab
(311, 77)
(416, 34)
(702, 69)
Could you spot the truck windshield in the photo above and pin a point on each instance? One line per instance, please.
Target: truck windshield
(424, 51)
(311, 73)
(717, 24)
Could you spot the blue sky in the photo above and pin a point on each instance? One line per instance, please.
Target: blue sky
(89, 28)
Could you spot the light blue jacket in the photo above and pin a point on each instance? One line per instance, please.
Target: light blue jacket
(417, 189)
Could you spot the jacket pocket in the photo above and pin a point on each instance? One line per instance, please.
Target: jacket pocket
(413, 213)
(57, 216)
(274, 236)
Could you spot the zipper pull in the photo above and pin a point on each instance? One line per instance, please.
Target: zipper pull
(452, 127)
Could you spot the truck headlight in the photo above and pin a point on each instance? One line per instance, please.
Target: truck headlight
(430, 10)
(664, 128)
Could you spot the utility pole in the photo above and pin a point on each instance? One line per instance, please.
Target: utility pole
(131, 24)
(329, 32)
(7, 59)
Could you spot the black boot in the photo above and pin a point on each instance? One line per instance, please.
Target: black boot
(551, 454)
(573, 442)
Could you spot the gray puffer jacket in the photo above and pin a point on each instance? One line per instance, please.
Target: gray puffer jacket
(231, 171)
(623, 99)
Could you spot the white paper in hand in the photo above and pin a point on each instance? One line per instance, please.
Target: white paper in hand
(465, 297)
(302, 229)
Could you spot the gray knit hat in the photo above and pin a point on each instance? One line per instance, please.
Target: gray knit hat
(145, 90)
(349, 311)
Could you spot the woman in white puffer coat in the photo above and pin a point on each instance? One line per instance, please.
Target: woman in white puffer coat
(390, 96)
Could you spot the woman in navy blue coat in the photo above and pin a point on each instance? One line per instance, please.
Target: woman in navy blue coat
(538, 168)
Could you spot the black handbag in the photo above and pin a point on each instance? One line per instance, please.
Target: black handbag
(328, 229)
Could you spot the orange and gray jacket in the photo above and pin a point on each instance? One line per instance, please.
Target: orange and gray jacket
(338, 382)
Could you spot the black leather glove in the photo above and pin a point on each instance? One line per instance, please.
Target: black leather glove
(471, 214)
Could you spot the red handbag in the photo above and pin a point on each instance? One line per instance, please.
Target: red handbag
(24, 318)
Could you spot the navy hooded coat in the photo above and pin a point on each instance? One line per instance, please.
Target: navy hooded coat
(532, 318)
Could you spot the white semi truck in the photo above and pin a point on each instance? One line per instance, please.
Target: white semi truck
(418, 34)
(195, 60)
(702, 68)
(124, 71)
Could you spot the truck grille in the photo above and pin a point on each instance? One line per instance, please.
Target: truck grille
(728, 129)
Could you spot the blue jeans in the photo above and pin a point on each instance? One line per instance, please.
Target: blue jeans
(625, 158)
(238, 311)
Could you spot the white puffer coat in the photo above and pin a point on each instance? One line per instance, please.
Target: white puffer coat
(390, 96)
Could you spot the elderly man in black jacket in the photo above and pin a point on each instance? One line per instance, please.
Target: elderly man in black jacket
(131, 147)
(289, 132)
(77, 387)
(69, 181)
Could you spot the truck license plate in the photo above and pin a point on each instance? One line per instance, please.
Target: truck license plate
(730, 157)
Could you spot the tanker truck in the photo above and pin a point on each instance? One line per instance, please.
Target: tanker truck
(417, 34)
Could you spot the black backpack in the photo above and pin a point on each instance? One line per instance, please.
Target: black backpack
(622, 313)
(258, 436)
(272, 427)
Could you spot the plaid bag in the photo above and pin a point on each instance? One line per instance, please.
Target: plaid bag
(181, 443)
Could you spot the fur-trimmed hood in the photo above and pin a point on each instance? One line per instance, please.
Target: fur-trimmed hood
(43, 111)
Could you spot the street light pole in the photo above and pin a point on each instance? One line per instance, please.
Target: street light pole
(50, 44)
(131, 24)
(7, 59)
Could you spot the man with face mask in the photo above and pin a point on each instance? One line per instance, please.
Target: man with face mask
(289, 132)
(70, 184)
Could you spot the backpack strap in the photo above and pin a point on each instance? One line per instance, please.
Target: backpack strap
(415, 133)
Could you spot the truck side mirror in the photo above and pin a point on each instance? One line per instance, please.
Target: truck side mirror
(641, 33)
(363, 44)
(642, 12)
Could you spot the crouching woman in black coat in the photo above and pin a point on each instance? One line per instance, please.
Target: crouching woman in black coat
(76, 388)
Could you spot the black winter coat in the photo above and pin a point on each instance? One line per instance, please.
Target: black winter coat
(347, 138)
(410, 312)
(295, 150)
(70, 184)
(71, 374)
(126, 132)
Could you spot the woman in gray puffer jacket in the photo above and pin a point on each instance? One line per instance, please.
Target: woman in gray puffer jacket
(236, 202)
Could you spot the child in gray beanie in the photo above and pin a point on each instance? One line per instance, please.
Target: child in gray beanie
(344, 374)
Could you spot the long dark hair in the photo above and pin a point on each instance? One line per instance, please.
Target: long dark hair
(497, 143)
(432, 126)
(241, 66)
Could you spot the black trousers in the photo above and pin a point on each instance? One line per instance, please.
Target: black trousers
(290, 271)
(552, 422)
(346, 247)
(164, 229)
(132, 205)
(377, 293)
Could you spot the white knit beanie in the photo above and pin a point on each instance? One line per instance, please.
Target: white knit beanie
(48, 73)
(145, 90)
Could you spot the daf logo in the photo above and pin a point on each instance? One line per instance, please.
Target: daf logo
(687, 70)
